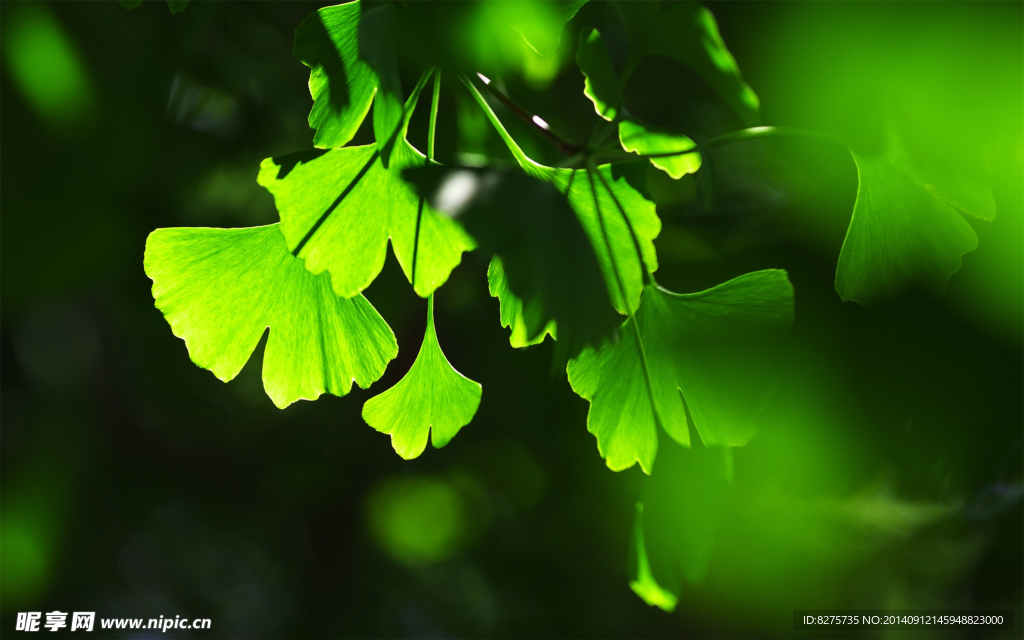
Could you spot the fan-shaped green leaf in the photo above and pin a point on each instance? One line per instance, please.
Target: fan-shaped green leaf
(220, 289)
(433, 398)
(341, 83)
(905, 229)
(600, 83)
(339, 208)
(704, 346)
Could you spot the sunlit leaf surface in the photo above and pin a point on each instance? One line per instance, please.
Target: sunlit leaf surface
(220, 289)
(342, 84)
(432, 399)
(701, 348)
(649, 140)
(338, 209)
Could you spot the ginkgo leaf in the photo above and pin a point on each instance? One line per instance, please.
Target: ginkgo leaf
(682, 508)
(701, 348)
(220, 289)
(601, 85)
(644, 583)
(510, 309)
(687, 32)
(339, 208)
(433, 398)
(341, 83)
(603, 203)
(546, 256)
(906, 229)
(648, 140)
(377, 47)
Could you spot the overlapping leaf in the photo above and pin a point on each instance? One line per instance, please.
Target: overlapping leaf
(704, 349)
(431, 399)
(545, 255)
(338, 209)
(510, 309)
(687, 32)
(342, 84)
(907, 229)
(678, 522)
(220, 289)
(602, 86)
(594, 196)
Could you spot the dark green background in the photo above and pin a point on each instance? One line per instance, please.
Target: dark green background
(136, 484)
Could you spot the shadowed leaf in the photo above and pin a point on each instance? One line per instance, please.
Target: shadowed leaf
(905, 229)
(220, 289)
(342, 84)
(705, 346)
(546, 257)
(510, 309)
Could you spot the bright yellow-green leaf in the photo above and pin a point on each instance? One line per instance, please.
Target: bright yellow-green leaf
(433, 398)
(338, 209)
(906, 229)
(220, 289)
(649, 140)
(643, 583)
(342, 84)
(701, 348)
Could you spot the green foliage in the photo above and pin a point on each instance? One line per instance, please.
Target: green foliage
(432, 398)
(339, 208)
(546, 269)
(695, 349)
(220, 289)
(571, 250)
(905, 229)
(341, 83)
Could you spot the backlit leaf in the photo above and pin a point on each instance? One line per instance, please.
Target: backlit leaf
(341, 83)
(701, 348)
(339, 208)
(649, 140)
(541, 22)
(432, 399)
(600, 84)
(220, 289)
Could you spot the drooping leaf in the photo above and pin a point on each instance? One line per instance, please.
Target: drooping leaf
(705, 346)
(682, 509)
(601, 85)
(510, 309)
(643, 583)
(341, 83)
(906, 229)
(220, 289)
(339, 208)
(650, 140)
(432, 399)
(688, 33)
(603, 203)
(546, 257)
